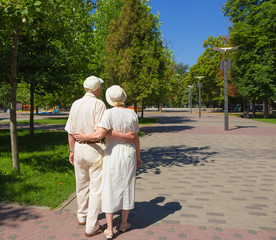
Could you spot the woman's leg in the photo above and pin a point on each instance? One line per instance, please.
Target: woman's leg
(109, 219)
(124, 216)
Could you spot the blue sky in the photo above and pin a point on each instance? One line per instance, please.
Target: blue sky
(186, 23)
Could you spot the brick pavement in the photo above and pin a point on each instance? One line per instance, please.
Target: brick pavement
(196, 182)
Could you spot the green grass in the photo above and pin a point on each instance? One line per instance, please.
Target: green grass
(54, 121)
(62, 121)
(258, 117)
(147, 121)
(46, 179)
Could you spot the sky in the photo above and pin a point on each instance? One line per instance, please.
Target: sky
(187, 23)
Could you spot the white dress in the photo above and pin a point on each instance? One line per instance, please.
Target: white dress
(119, 163)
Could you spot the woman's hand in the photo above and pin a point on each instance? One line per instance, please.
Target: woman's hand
(80, 137)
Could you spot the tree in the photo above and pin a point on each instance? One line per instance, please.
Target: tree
(178, 94)
(133, 51)
(14, 16)
(208, 66)
(254, 62)
(55, 49)
(104, 13)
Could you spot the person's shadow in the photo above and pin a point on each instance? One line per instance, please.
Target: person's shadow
(147, 213)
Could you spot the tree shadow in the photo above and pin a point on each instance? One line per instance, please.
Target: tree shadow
(174, 119)
(11, 214)
(164, 129)
(157, 157)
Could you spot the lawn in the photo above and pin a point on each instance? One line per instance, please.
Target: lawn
(47, 178)
(258, 117)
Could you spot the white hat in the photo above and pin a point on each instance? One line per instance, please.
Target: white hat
(92, 83)
(115, 95)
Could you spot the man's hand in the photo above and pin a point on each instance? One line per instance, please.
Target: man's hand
(139, 162)
(129, 137)
(80, 138)
(71, 158)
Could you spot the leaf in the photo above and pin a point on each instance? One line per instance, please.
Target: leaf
(37, 3)
(24, 11)
(23, 19)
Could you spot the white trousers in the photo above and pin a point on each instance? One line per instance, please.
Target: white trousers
(88, 172)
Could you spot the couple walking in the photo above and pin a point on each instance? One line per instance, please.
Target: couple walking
(104, 173)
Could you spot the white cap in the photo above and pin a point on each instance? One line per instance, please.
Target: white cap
(92, 83)
(115, 95)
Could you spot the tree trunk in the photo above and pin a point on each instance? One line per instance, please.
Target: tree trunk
(142, 112)
(253, 108)
(32, 111)
(266, 115)
(13, 126)
(135, 107)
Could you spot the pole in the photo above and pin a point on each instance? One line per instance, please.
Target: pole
(199, 99)
(191, 101)
(226, 122)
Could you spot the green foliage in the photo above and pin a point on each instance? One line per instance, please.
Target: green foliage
(47, 177)
(254, 32)
(105, 12)
(134, 52)
(208, 66)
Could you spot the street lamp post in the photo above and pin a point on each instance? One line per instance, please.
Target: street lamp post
(199, 85)
(191, 98)
(225, 65)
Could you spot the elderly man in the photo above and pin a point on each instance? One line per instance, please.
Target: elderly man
(85, 114)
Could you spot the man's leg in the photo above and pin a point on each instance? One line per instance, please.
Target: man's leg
(82, 188)
(95, 171)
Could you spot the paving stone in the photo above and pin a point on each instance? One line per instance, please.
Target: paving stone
(13, 237)
(217, 238)
(182, 235)
(172, 222)
(258, 214)
(45, 227)
(273, 229)
(75, 235)
(214, 214)
(150, 233)
(188, 215)
(217, 221)
(52, 237)
(253, 232)
(202, 228)
(237, 235)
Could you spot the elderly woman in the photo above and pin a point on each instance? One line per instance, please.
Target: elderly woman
(120, 159)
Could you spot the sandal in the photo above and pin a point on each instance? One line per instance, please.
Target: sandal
(108, 234)
(124, 227)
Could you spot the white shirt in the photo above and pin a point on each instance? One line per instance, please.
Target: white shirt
(85, 114)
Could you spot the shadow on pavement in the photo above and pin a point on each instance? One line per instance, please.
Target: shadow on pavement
(10, 214)
(156, 157)
(148, 213)
(174, 120)
(164, 129)
(239, 127)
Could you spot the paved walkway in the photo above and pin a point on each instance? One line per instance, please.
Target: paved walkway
(197, 182)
